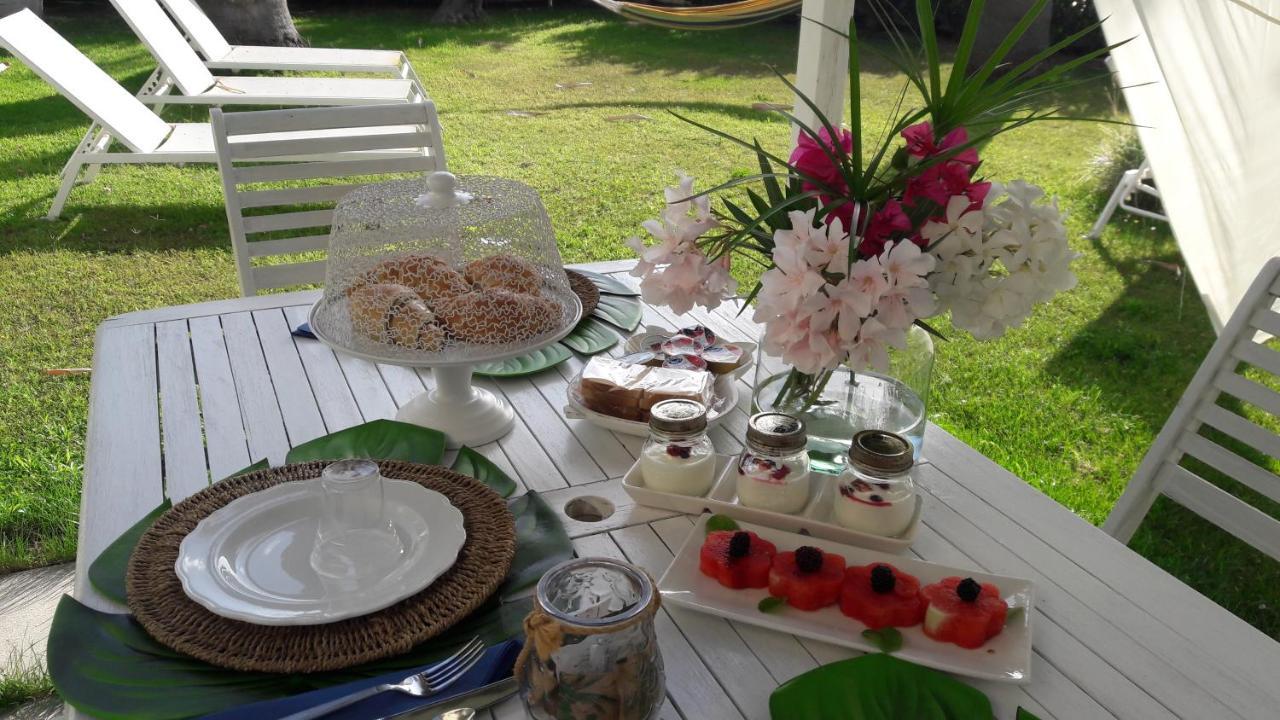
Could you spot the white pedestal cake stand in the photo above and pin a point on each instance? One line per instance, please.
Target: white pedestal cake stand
(466, 414)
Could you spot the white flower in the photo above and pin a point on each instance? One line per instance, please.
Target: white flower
(872, 347)
(829, 247)
(861, 290)
(961, 227)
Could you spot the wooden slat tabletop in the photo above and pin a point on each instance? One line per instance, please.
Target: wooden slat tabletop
(183, 395)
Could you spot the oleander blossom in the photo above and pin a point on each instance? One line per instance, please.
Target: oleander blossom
(675, 271)
(992, 274)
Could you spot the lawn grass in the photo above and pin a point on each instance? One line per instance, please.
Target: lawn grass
(1069, 402)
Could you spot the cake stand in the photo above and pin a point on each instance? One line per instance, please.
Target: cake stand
(457, 220)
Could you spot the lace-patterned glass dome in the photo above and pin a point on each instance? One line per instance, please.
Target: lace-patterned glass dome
(467, 272)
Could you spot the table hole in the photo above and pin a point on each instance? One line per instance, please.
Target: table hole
(588, 508)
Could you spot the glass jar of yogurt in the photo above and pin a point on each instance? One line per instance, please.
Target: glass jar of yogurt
(678, 458)
(876, 493)
(773, 472)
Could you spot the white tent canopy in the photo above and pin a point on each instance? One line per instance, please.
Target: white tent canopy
(1208, 73)
(1211, 114)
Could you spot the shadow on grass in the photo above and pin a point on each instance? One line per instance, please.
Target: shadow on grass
(738, 111)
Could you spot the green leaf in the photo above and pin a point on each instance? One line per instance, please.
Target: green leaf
(771, 604)
(1025, 714)
(929, 34)
(877, 687)
(606, 284)
(624, 312)
(107, 571)
(721, 522)
(473, 464)
(1014, 615)
(541, 543)
(105, 665)
(527, 364)
(888, 639)
(590, 337)
(377, 440)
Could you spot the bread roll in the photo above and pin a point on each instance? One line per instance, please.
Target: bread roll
(504, 271)
(427, 275)
(497, 316)
(394, 314)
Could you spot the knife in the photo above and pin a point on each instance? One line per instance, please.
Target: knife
(480, 698)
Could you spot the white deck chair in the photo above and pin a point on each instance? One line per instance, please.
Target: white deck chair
(1134, 180)
(221, 55)
(182, 70)
(116, 113)
(240, 158)
(1161, 473)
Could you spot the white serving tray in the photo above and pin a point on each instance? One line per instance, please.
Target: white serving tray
(1006, 657)
(815, 519)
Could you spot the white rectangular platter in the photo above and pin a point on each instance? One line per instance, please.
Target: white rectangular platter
(815, 519)
(1006, 657)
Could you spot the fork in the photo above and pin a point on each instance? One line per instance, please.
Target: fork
(428, 682)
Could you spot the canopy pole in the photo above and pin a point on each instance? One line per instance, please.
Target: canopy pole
(822, 64)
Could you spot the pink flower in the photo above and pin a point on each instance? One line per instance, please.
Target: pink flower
(887, 222)
(938, 183)
(920, 143)
(906, 266)
(810, 158)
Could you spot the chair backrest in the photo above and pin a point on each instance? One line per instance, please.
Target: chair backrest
(99, 96)
(203, 33)
(1238, 369)
(304, 145)
(161, 36)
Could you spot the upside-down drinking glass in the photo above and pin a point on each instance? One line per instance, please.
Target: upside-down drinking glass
(355, 540)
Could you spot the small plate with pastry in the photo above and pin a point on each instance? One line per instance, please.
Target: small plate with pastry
(694, 347)
(616, 394)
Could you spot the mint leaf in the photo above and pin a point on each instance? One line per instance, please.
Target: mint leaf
(771, 604)
(887, 639)
(721, 522)
(1015, 614)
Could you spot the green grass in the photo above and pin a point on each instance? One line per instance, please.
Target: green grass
(23, 679)
(1069, 402)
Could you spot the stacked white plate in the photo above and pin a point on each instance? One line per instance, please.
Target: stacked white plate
(251, 560)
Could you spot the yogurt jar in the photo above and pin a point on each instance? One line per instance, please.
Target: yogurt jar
(678, 458)
(876, 493)
(773, 471)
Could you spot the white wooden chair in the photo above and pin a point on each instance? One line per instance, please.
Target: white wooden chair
(351, 129)
(1134, 180)
(183, 79)
(115, 113)
(221, 55)
(1161, 472)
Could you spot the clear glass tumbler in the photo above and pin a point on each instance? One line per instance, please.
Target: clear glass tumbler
(355, 540)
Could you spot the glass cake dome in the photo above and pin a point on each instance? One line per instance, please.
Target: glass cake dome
(464, 273)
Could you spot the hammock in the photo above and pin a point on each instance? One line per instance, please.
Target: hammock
(711, 17)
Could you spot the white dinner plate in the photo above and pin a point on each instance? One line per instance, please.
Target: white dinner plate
(1006, 657)
(723, 400)
(251, 559)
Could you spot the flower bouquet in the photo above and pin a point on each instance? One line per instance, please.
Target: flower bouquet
(863, 241)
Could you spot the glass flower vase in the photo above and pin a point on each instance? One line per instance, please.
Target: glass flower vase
(838, 403)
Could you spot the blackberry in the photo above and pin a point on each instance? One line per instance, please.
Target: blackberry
(968, 590)
(808, 559)
(781, 473)
(679, 451)
(739, 544)
(882, 579)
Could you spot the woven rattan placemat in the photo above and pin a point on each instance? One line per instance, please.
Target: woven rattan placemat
(159, 603)
(586, 291)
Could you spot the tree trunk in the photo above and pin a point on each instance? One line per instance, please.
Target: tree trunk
(454, 12)
(253, 22)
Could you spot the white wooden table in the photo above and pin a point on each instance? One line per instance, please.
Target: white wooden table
(181, 395)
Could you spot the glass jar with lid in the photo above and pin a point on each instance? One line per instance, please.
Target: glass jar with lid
(876, 493)
(590, 649)
(678, 458)
(773, 471)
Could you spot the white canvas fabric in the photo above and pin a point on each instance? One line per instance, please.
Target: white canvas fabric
(1210, 109)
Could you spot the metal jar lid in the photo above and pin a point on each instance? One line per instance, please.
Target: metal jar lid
(776, 432)
(678, 416)
(881, 453)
